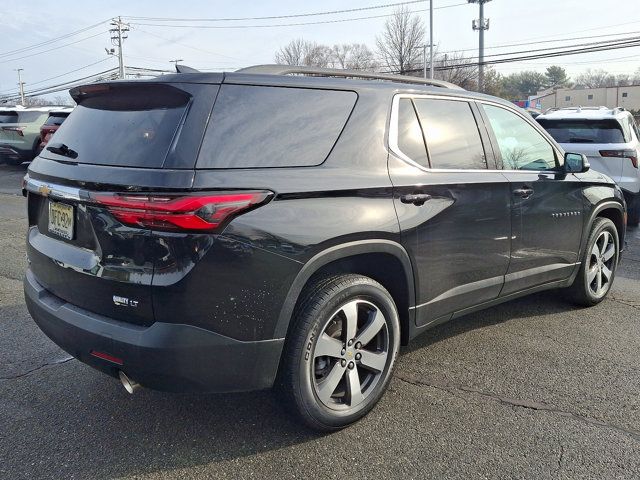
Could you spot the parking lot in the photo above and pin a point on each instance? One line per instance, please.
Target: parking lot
(534, 388)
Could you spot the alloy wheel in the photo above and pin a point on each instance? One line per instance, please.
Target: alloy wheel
(350, 355)
(601, 264)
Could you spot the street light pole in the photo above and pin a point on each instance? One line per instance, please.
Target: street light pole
(21, 85)
(424, 61)
(431, 38)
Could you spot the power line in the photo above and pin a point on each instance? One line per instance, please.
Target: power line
(51, 49)
(275, 17)
(52, 40)
(289, 24)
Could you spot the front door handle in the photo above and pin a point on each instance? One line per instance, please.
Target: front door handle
(415, 198)
(524, 192)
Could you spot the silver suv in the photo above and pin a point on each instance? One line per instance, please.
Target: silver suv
(609, 138)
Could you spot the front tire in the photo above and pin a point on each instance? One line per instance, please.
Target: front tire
(599, 264)
(340, 352)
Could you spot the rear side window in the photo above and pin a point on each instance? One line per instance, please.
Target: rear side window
(584, 130)
(124, 125)
(56, 119)
(451, 133)
(254, 127)
(410, 140)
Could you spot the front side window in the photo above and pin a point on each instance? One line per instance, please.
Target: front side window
(451, 133)
(520, 145)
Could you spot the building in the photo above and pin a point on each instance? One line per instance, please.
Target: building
(611, 97)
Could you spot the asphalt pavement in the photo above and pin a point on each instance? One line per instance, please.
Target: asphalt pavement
(534, 388)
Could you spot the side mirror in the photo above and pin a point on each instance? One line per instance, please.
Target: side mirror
(576, 163)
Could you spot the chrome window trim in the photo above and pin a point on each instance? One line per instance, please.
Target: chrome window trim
(52, 190)
(395, 149)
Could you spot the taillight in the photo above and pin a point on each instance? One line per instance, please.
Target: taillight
(204, 212)
(630, 154)
(18, 130)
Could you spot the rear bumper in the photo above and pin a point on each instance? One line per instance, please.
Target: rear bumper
(163, 356)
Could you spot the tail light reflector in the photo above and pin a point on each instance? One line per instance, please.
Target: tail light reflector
(18, 130)
(630, 154)
(187, 212)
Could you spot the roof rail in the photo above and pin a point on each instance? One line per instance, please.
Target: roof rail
(335, 72)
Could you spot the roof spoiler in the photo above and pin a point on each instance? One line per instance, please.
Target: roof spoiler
(185, 69)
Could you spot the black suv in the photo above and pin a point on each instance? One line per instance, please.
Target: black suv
(228, 232)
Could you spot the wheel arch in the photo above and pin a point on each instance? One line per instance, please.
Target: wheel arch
(612, 210)
(385, 261)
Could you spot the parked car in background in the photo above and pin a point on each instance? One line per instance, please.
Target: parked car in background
(226, 232)
(610, 138)
(20, 133)
(56, 118)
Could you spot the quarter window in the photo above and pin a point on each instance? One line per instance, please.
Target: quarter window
(521, 146)
(410, 141)
(451, 134)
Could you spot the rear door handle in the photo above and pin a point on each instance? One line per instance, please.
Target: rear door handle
(524, 192)
(415, 198)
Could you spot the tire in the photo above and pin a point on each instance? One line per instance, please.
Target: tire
(633, 212)
(601, 256)
(327, 379)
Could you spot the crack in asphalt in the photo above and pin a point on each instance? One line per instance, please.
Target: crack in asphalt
(40, 367)
(517, 403)
(622, 301)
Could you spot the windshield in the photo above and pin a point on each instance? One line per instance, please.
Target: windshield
(584, 131)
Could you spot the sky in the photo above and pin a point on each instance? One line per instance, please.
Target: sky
(26, 23)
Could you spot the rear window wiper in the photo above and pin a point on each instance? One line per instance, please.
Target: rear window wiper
(62, 149)
(580, 140)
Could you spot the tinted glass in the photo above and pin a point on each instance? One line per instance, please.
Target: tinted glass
(273, 126)
(584, 131)
(30, 117)
(410, 141)
(56, 119)
(451, 133)
(8, 117)
(521, 146)
(125, 126)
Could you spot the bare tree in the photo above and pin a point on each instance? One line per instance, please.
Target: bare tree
(302, 52)
(399, 44)
(36, 102)
(457, 69)
(353, 56)
(595, 79)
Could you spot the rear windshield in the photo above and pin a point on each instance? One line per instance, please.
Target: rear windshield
(20, 117)
(8, 117)
(274, 126)
(584, 131)
(131, 126)
(56, 118)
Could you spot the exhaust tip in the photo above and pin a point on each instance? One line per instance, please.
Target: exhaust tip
(129, 385)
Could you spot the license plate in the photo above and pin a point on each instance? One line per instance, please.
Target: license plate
(61, 220)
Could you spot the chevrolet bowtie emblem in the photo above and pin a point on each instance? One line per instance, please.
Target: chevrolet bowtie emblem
(44, 190)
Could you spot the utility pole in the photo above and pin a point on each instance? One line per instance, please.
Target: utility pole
(118, 36)
(481, 25)
(21, 85)
(431, 37)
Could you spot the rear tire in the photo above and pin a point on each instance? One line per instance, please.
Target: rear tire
(340, 352)
(599, 264)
